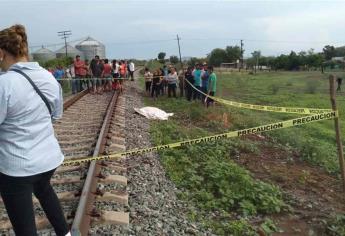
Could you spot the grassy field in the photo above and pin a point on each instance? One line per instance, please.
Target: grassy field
(229, 200)
(315, 142)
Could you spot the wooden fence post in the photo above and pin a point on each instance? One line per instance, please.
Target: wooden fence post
(337, 129)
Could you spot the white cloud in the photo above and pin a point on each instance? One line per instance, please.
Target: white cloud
(311, 28)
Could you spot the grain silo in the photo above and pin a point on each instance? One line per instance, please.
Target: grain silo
(71, 52)
(43, 54)
(91, 47)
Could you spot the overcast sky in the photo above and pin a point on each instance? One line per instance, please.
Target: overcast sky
(142, 28)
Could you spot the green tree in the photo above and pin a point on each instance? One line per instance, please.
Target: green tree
(314, 60)
(303, 59)
(340, 51)
(64, 62)
(255, 58)
(233, 53)
(193, 61)
(282, 62)
(329, 52)
(294, 61)
(217, 56)
(161, 57)
(173, 59)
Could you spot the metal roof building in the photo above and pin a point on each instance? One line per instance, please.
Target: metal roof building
(91, 47)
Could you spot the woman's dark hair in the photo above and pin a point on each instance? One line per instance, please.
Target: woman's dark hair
(106, 61)
(14, 41)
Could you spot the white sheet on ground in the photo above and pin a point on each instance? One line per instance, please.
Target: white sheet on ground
(153, 113)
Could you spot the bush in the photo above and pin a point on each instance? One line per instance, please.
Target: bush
(241, 82)
(289, 83)
(336, 225)
(64, 62)
(312, 86)
(274, 88)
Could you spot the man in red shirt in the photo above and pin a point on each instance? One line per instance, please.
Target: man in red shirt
(80, 73)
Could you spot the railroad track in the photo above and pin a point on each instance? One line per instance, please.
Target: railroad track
(91, 194)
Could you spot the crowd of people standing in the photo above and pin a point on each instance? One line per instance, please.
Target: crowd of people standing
(98, 76)
(197, 82)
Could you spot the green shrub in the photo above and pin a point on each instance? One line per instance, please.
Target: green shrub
(289, 83)
(312, 86)
(213, 181)
(336, 226)
(274, 88)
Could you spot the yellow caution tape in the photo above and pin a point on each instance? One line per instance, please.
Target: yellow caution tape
(237, 133)
(296, 110)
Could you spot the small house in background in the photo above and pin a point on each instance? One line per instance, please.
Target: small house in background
(229, 65)
(232, 65)
(262, 68)
(338, 59)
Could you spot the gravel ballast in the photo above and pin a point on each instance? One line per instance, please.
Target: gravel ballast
(153, 204)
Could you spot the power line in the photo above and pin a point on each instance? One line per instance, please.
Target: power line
(262, 40)
(241, 59)
(141, 42)
(64, 35)
(55, 44)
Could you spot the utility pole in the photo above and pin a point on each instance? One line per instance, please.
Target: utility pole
(179, 48)
(241, 59)
(64, 35)
(179, 51)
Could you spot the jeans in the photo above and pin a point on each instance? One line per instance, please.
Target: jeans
(172, 89)
(16, 193)
(189, 92)
(210, 100)
(75, 85)
(204, 90)
(196, 93)
(155, 90)
(148, 86)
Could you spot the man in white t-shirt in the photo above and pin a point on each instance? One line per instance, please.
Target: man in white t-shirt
(131, 70)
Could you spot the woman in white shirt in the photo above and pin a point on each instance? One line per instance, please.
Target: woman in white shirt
(29, 150)
(172, 82)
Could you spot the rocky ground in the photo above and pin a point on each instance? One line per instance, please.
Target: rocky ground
(153, 205)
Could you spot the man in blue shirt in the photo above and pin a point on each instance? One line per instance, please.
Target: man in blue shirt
(197, 82)
(59, 74)
(204, 83)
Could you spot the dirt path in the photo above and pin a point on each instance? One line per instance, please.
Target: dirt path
(312, 193)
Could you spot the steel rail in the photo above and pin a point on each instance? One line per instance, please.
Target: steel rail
(75, 98)
(82, 219)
